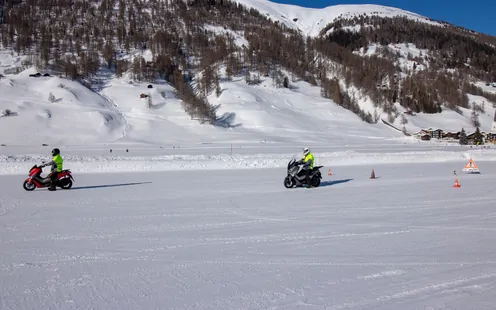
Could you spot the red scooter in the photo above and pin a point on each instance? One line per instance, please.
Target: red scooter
(64, 179)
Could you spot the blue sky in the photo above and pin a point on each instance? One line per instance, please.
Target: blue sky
(478, 15)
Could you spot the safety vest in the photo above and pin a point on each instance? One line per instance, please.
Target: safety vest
(309, 157)
(58, 161)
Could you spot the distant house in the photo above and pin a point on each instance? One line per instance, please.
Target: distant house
(490, 138)
(421, 133)
(451, 135)
(436, 134)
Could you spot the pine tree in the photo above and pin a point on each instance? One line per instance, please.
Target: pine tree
(478, 138)
(475, 119)
(218, 90)
(286, 82)
(463, 137)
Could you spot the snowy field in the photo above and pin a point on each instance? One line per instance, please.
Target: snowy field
(237, 239)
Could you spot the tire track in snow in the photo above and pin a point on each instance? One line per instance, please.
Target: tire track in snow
(87, 259)
(6, 210)
(430, 205)
(185, 215)
(204, 242)
(383, 274)
(265, 239)
(141, 229)
(118, 257)
(454, 286)
(340, 264)
(457, 228)
(299, 236)
(389, 273)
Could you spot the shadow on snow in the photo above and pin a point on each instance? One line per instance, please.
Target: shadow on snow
(109, 185)
(331, 183)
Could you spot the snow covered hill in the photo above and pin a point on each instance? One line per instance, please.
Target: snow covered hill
(311, 21)
(76, 115)
(58, 111)
(55, 111)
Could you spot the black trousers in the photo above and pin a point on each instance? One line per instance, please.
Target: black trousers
(306, 173)
(53, 178)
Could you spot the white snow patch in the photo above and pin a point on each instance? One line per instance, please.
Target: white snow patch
(311, 21)
(237, 35)
(491, 88)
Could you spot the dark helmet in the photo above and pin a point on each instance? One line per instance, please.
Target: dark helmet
(55, 152)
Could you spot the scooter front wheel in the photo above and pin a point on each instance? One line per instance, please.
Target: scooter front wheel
(28, 186)
(288, 182)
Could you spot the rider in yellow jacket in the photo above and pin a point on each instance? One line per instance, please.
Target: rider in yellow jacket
(307, 161)
(56, 164)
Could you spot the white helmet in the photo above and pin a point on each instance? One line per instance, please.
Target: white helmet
(306, 151)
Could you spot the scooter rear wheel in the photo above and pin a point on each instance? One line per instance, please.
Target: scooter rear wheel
(28, 186)
(66, 184)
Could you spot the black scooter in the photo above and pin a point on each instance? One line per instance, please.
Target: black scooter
(293, 179)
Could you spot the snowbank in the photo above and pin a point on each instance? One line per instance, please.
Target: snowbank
(55, 110)
(20, 164)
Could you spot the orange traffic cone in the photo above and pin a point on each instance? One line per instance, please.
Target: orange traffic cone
(329, 172)
(456, 183)
(372, 175)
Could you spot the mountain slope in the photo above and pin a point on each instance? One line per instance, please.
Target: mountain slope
(221, 71)
(255, 114)
(311, 21)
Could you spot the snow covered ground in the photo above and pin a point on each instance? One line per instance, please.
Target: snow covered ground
(140, 158)
(239, 240)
